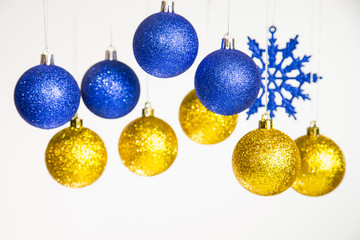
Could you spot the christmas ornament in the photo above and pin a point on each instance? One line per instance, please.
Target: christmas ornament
(227, 81)
(165, 44)
(148, 145)
(76, 156)
(322, 164)
(266, 161)
(47, 96)
(110, 89)
(202, 125)
(285, 76)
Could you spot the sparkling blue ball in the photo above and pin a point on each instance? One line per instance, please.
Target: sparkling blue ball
(47, 96)
(227, 81)
(110, 89)
(165, 45)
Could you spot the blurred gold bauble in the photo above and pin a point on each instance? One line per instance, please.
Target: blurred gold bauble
(148, 145)
(322, 164)
(201, 125)
(76, 156)
(265, 161)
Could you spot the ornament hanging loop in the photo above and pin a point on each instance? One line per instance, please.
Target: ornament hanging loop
(167, 6)
(47, 58)
(265, 122)
(110, 53)
(228, 42)
(148, 111)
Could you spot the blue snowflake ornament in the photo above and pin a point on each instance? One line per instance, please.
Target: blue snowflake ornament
(286, 76)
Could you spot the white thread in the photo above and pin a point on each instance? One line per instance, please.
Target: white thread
(46, 22)
(273, 13)
(319, 61)
(312, 105)
(207, 17)
(147, 87)
(267, 56)
(74, 32)
(111, 21)
(228, 17)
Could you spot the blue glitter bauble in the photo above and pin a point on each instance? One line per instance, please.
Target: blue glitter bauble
(47, 96)
(165, 45)
(227, 81)
(110, 89)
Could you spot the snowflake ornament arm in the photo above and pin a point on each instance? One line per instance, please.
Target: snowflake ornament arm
(285, 81)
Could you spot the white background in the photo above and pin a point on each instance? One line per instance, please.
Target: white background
(198, 197)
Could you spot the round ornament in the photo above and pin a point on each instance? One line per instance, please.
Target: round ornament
(110, 89)
(322, 164)
(76, 156)
(227, 81)
(148, 145)
(265, 161)
(165, 44)
(47, 96)
(202, 125)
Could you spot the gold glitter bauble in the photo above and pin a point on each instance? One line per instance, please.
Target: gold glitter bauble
(76, 156)
(148, 146)
(265, 161)
(322, 165)
(202, 125)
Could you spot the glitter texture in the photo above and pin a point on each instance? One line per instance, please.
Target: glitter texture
(202, 125)
(266, 161)
(148, 146)
(110, 89)
(322, 166)
(47, 96)
(227, 81)
(165, 45)
(76, 157)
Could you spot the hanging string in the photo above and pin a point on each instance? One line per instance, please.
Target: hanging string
(319, 61)
(111, 21)
(207, 17)
(228, 17)
(147, 89)
(46, 23)
(267, 57)
(273, 12)
(74, 33)
(312, 105)
(147, 84)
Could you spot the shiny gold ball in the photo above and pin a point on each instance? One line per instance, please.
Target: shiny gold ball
(201, 125)
(76, 157)
(148, 146)
(322, 165)
(265, 161)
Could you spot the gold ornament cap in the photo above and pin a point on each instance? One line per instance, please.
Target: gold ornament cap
(76, 122)
(148, 111)
(265, 122)
(313, 130)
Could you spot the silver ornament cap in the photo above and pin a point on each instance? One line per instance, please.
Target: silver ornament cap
(47, 58)
(167, 6)
(228, 42)
(110, 54)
